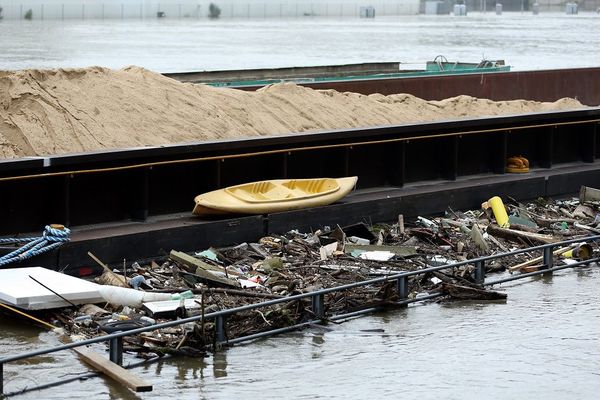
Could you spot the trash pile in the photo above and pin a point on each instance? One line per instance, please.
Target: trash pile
(184, 285)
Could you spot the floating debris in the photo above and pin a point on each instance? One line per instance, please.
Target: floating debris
(276, 266)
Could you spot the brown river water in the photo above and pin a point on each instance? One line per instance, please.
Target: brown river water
(543, 342)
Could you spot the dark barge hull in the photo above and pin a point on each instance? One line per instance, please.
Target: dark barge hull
(136, 203)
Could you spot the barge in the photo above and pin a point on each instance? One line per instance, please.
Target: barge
(136, 203)
(253, 78)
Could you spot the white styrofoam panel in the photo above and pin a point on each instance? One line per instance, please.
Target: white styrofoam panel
(18, 289)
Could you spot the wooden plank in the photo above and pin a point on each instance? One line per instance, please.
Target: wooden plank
(203, 270)
(515, 236)
(536, 260)
(114, 371)
(108, 277)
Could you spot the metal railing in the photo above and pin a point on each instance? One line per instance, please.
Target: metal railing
(115, 340)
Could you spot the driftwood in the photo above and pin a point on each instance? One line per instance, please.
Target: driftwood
(547, 222)
(204, 272)
(470, 293)
(108, 277)
(588, 194)
(518, 236)
(587, 228)
(536, 260)
(236, 292)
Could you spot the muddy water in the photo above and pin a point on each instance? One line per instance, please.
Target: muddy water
(549, 40)
(542, 342)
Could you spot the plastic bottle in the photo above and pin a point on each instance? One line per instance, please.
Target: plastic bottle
(151, 321)
(84, 319)
(119, 296)
(183, 295)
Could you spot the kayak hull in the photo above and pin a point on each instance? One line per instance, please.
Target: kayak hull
(272, 196)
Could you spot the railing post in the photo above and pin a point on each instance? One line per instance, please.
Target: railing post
(480, 272)
(402, 287)
(1, 380)
(115, 350)
(220, 329)
(548, 257)
(318, 308)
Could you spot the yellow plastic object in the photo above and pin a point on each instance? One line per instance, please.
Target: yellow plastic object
(582, 252)
(499, 211)
(273, 196)
(518, 164)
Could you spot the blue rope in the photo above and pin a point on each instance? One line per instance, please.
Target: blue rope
(50, 239)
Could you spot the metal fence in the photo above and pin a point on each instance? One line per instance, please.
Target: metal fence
(115, 340)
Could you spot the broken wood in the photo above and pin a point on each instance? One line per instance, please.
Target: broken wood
(532, 268)
(477, 237)
(587, 228)
(204, 272)
(401, 224)
(588, 194)
(547, 222)
(194, 262)
(517, 236)
(538, 259)
(106, 367)
(470, 293)
(108, 277)
(112, 370)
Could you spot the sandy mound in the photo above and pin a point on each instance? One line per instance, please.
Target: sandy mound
(75, 110)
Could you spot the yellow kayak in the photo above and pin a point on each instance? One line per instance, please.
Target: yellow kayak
(273, 196)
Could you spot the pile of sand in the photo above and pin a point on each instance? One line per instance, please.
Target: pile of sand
(61, 111)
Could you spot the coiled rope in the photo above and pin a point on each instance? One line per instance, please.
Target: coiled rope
(53, 237)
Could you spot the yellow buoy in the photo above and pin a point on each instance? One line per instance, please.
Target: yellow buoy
(499, 211)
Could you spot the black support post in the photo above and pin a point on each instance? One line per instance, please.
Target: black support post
(220, 329)
(499, 153)
(480, 272)
(318, 305)
(548, 257)
(448, 148)
(588, 142)
(218, 173)
(402, 287)
(66, 221)
(546, 146)
(115, 350)
(140, 192)
(347, 151)
(395, 163)
(284, 165)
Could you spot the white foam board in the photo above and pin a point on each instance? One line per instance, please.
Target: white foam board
(18, 289)
(159, 308)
